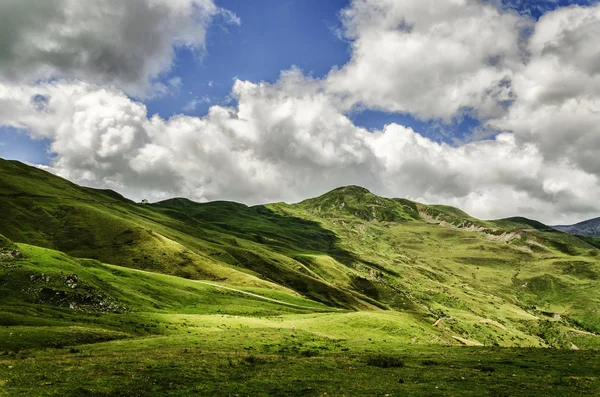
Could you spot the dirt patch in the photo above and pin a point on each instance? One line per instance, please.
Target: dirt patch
(490, 234)
(10, 255)
(69, 291)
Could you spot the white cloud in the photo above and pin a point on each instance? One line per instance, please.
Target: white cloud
(193, 104)
(229, 17)
(286, 141)
(491, 179)
(431, 58)
(128, 44)
(558, 93)
(175, 83)
(274, 140)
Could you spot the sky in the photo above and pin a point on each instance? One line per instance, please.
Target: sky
(491, 106)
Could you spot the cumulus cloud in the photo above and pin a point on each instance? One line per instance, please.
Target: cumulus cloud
(127, 44)
(279, 137)
(558, 93)
(285, 141)
(491, 179)
(291, 139)
(431, 58)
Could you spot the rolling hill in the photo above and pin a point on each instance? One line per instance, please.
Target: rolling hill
(345, 270)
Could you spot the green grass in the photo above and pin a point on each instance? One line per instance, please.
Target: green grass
(345, 294)
(191, 366)
(43, 277)
(170, 335)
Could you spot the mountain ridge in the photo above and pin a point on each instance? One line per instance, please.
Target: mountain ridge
(587, 228)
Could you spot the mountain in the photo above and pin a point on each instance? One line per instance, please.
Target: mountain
(345, 270)
(589, 228)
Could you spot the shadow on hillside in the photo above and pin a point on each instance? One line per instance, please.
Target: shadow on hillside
(260, 225)
(280, 233)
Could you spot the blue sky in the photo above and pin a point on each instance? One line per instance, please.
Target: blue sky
(274, 35)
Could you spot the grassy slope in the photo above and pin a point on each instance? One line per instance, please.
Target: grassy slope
(166, 238)
(138, 333)
(468, 271)
(508, 283)
(347, 248)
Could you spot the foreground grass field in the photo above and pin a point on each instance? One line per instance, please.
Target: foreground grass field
(234, 360)
(163, 335)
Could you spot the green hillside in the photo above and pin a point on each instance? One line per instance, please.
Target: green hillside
(347, 277)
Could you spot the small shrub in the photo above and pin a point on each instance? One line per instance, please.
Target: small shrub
(252, 360)
(382, 361)
(308, 353)
(429, 362)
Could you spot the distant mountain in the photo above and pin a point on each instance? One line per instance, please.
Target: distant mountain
(589, 228)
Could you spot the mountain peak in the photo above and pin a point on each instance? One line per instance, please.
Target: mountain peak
(359, 202)
(343, 194)
(350, 190)
(589, 228)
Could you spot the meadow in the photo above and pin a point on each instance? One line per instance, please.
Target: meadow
(344, 294)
